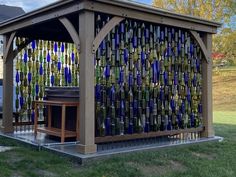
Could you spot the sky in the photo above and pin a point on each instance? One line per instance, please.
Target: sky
(29, 5)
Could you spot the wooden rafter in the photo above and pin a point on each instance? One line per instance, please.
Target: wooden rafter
(202, 45)
(105, 30)
(71, 30)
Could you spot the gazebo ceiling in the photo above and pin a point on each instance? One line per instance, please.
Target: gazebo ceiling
(49, 30)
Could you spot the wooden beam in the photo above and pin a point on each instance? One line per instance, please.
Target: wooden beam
(105, 30)
(145, 135)
(145, 14)
(158, 11)
(60, 9)
(206, 53)
(87, 97)
(71, 30)
(9, 44)
(118, 7)
(207, 90)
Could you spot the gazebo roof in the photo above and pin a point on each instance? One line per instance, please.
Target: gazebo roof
(44, 20)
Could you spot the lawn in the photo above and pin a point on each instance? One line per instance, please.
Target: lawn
(209, 159)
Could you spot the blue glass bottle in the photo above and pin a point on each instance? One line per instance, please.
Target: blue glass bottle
(62, 47)
(69, 76)
(21, 101)
(55, 47)
(17, 77)
(165, 78)
(126, 55)
(52, 80)
(130, 80)
(41, 69)
(59, 66)
(143, 58)
(135, 42)
(154, 69)
(121, 78)
(107, 71)
(48, 57)
(25, 57)
(117, 39)
(73, 57)
(200, 108)
(37, 89)
(108, 126)
(98, 92)
(29, 77)
(66, 74)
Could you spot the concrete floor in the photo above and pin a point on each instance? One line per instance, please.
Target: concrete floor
(69, 148)
(5, 148)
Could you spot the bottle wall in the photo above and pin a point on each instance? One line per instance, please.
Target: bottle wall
(41, 64)
(147, 78)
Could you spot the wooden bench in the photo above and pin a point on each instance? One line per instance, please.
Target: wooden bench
(62, 133)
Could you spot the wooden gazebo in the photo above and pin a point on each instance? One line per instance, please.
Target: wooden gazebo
(87, 24)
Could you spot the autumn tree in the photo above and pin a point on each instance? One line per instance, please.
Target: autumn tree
(216, 10)
(225, 42)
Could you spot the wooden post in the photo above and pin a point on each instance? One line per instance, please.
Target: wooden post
(207, 90)
(87, 125)
(63, 122)
(7, 121)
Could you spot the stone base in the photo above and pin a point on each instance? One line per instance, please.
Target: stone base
(87, 149)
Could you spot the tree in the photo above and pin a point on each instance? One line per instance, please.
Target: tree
(225, 43)
(216, 10)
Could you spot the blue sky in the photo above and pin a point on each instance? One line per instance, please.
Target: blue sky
(145, 1)
(29, 5)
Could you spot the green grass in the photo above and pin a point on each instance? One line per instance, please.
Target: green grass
(225, 117)
(210, 159)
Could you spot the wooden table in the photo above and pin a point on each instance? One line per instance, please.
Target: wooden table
(62, 133)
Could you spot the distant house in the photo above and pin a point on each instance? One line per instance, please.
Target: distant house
(7, 12)
(218, 56)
